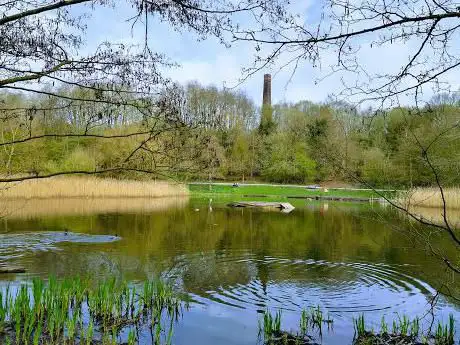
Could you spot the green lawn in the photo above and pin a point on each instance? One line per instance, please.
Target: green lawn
(280, 191)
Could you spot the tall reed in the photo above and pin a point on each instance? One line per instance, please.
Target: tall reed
(89, 187)
(431, 198)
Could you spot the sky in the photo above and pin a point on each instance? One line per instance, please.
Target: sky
(211, 63)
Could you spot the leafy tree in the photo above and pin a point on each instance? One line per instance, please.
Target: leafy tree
(267, 125)
(43, 52)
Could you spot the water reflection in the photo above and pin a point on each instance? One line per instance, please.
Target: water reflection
(30, 208)
(238, 262)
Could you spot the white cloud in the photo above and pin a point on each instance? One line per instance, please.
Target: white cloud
(209, 62)
(219, 70)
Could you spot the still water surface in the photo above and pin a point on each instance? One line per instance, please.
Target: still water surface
(236, 263)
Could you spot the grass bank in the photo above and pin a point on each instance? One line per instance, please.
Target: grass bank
(89, 187)
(280, 191)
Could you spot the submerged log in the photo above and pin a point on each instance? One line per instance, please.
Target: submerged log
(284, 207)
(8, 270)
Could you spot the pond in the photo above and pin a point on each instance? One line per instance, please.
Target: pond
(348, 259)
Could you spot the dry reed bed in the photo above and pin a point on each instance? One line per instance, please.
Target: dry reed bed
(431, 198)
(427, 203)
(31, 208)
(89, 187)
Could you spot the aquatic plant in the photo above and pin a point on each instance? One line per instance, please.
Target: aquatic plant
(360, 327)
(415, 328)
(304, 319)
(317, 317)
(403, 325)
(310, 319)
(271, 324)
(444, 334)
(404, 331)
(131, 337)
(383, 326)
(72, 311)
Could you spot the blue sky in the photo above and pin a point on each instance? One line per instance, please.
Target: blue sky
(209, 62)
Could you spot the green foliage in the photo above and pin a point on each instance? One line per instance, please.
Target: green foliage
(78, 159)
(267, 126)
(287, 161)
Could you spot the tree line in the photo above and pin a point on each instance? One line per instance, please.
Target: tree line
(203, 132)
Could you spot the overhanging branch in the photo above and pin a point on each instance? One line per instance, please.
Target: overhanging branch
(38, 10)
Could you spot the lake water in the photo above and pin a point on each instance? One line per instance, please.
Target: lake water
(235, 263)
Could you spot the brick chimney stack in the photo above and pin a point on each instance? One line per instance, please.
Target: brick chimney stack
(267, 100)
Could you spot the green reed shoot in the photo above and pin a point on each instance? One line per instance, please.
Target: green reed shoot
(444, 334)
(360, 326)
(37, 334)
(395, 328)
(170, 333)
(406, 328)
(271, 324)
(383, 326)
(89, 333)
(415, 328)
(404, 324)
(304, 320)
(131, 337)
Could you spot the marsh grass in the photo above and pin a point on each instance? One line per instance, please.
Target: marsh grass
(404, 331)
(73, 311)
(89, 187)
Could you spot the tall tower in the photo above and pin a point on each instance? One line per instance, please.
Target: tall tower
(267, 125)
(267, 100)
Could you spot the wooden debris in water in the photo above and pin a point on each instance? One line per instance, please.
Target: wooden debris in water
(285, 207)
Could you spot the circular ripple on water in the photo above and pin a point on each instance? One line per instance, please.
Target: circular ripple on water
(16, 245)
(253, 282)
